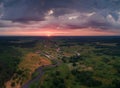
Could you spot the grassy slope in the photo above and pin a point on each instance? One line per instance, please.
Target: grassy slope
(26, 67)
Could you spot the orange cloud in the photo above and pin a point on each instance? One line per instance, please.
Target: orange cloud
(57, 32)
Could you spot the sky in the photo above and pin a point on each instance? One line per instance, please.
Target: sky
(60, 17)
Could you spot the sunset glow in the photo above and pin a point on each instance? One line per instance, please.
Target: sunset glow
(55, 32)
(80, 39)
(48, 33)
(59, 18)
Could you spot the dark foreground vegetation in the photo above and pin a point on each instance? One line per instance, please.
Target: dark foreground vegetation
(80, 62)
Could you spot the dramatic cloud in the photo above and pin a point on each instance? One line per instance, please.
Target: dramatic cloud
(60, 14)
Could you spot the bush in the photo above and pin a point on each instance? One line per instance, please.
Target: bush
(116, 83)
(85, 78)
(13, 84)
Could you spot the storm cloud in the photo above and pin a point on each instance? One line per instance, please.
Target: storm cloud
(71, 14)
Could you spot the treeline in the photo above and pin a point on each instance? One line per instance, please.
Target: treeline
(9, 59)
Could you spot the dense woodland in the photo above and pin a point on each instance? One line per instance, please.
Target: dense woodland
(80, 62)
